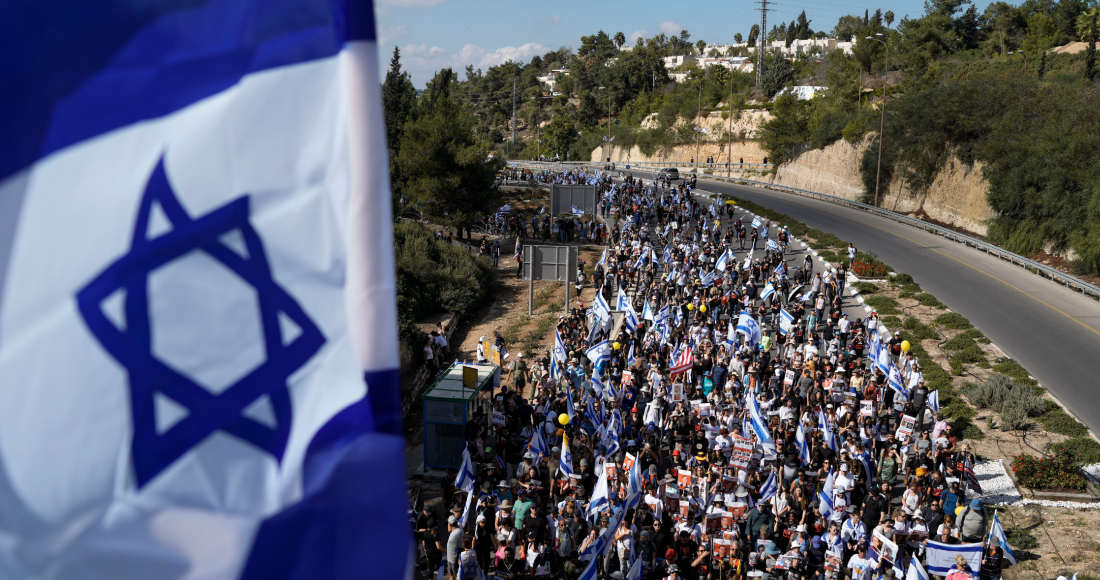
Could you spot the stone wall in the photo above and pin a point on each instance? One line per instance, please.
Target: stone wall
(957, 196)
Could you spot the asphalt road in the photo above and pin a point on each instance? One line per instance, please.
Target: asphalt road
(1052, 331)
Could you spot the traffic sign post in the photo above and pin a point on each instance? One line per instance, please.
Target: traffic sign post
(552, 263)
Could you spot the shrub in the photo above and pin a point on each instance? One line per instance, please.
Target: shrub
(1050, 472)
(829, 256)
(818, 246)
(971, 354)
(1020, 539)
(954, 320)
(958, 343)
(1013, 401)
(1058, 421)
(1084, 450)
(975, 335)
(865, 287)
(865, 269)
(883, 304)
(918, 329)
(891, 322)
(929, 300)
(902, 279)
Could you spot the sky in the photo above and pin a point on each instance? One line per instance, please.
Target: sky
(434, 34)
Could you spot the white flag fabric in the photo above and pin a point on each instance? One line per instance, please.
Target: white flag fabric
(760, 426)
(199, 371)
(997, 533)
(767, 292)
(916, 571)
(600, 307)
(748, 326)
(466, 475)
(941, 557)
(720, 264)
(565, 463)
(786, 321)
(825, 503)
(769, 488)
(598, 502)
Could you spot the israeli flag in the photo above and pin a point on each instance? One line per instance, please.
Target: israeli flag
(997, 533)
(760, 426)
(561, 354)
(597, 385)
(917, 572)
(630, 356)
(630, 316)
(466, 476)
(720, 264)
(825, 505)
(600, 352)
(882, 361)
(634, 484)
(786, 321)
(565, 463)
(538, 445)
(771, 245)
(934, 402)
(748, 326)
(781, 270)
(803, 445)
(748, 262)
(707, 279)
(764, 233)
(198, 353)
(769, 488)
(591, 415)
(731, 335)
(635, 571)
(598, 502)
(647, 312)
(603, 257)
(543, 210)
(576, 210)
(767, 292)
(894, 381)
(600, 307)
(506, 208)
(713, 212)
(569, 408)
(662, 316)
(826, 430)
(756, 223)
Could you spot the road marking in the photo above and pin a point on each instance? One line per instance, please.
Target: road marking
(975, 268)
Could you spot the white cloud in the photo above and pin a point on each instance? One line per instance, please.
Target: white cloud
(391, 33)
(413, 3)
(518, 54)
(634, 36)
(670, 28)
(552, 19)
(423, 61)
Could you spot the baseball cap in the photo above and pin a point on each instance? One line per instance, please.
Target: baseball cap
(452, 520)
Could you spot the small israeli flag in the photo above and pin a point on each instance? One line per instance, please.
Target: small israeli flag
(720, 264)
(576, 210)
(756, 223)
(770, 487)
(767, 292)
(786, 321)
(772, 246)
(566, 460)
(934, 402)
(466, 476)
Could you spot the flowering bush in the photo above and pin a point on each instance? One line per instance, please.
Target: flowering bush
(869, 269)
(1050, 472)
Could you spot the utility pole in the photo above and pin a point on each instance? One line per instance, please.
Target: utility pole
(882, 119)
(513, 111)
(762, 41)
(729, 164)
(699, 115)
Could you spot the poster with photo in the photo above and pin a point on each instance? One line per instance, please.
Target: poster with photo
(685, 508)
(714, 522)
(677, 392)
(866, 408)
(850, 399)
(742, 452)
(788, 377)
(729, 484)
(737, 510)
(885, 548)
(722, 548)
(628, 462)
(612, 470)
(498, 418)
(672, 502)
(728, 520)
(908, 424)
(628, 378)
(683, 478)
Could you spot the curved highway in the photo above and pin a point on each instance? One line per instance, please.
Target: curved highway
(1051, 330)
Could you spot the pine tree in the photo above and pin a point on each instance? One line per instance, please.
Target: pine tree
(398, 96)
(1042, 64)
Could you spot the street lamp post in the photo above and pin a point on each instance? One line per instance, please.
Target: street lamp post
(882, 119)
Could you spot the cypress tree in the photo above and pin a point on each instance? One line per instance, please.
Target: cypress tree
(1090, 52)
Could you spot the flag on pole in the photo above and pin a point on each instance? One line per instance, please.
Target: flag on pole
(786, 321)
(598, 502)
(630, 316)
(208, 183)
(600, 307)
(997, 534)
(769, 488)
(465, 478)
(603, 257)
(826, 430)
(759, 426)
(630, 355)
(771, 245)
(748, 326)
(565, 462)
(934, 402)
(756, 223)
(576, 210)
(803, 445)
(971, 477)
(720, 264)
(683, 362)
(767, 292)
(916, 571)
(825, 505)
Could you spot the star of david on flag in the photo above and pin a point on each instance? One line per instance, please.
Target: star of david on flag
(199, 368)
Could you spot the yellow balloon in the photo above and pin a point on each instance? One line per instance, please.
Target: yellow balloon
(958, 510)
(905, 346)
(617, 346)
(691, 307)
(703, 308)
(563, 419)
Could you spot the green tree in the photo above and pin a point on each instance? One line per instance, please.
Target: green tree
(559, 136)
(1084, 21)
(787, 134)
(889, 18)
(754, 34)
(443, 169)
(620, 40)
(737, 38)
(847, 27)
(792, 34)
(777, 73)
(398, 97)
(1090, 53)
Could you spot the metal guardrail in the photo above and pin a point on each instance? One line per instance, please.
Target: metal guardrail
(521, 183)
(1035, 267)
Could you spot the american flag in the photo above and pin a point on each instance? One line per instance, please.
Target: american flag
(683, 362)
(971, 478)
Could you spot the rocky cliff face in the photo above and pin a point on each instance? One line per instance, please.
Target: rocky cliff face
(957, 196)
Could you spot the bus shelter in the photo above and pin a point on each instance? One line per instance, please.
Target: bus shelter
(448, 404)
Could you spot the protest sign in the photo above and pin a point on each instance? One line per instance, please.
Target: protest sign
(866, 408)
(628, 462)
(908, 424)
(683, 478)
(498, 418)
